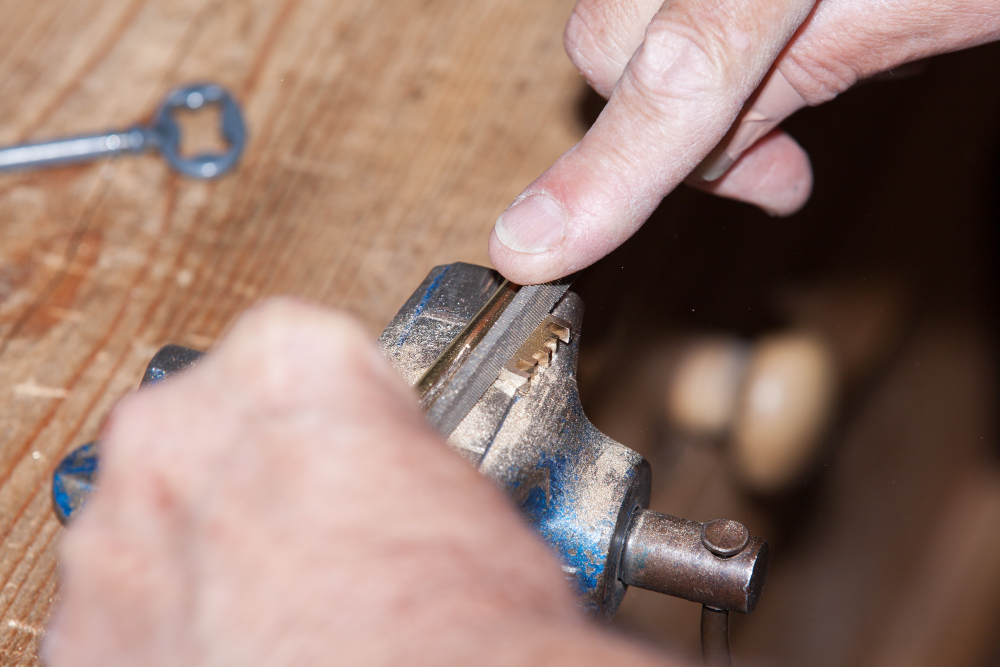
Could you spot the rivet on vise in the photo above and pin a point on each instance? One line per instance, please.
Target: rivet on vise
(724, 537)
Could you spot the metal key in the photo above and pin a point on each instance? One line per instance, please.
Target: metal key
(163, 134)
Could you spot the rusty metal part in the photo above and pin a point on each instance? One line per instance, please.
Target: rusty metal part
(666, 554)
(715, 637)
(725, 537)
(468, 365)
(574, 485)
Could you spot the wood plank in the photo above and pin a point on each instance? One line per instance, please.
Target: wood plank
(384, 139)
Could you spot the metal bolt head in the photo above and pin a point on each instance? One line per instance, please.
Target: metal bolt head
(725, 537)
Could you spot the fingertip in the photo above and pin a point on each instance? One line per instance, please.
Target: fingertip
(541, 235)
(532, 224)
(518, 267)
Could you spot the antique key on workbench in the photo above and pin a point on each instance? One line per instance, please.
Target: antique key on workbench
(163, 134)
(495, 366)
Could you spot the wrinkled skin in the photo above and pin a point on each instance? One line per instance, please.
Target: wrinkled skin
(696, 90)
(284, 503)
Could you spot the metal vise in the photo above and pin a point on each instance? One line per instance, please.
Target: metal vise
(585, 494)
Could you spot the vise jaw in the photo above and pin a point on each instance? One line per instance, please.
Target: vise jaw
(577, 487)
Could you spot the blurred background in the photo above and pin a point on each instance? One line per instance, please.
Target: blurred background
(828, 379)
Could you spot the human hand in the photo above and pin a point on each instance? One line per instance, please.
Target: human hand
(285, 503)
(698, 82)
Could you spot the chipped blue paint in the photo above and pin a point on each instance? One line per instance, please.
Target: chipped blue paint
(421, 306)
(155, 375)
(553, 505)
(73, 481)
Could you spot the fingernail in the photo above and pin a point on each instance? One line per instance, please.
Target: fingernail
(534, 224)
(714, 166)
(775, 100)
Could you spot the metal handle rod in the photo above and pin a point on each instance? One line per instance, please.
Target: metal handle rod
(72, 149)
(715, 637)
(669, 555)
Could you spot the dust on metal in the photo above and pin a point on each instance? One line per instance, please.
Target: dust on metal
(472, 362)
(666, 554)
(725, 537)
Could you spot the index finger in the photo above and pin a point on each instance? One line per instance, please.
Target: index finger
(682, 89)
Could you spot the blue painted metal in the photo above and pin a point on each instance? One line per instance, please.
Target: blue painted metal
(575, 486)
(74, 478)
(73, 481)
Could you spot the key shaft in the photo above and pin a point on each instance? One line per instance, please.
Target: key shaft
(163, 134)
(73, 149)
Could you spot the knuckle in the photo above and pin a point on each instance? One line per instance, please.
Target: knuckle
(685, 50)
(287, 325)
(285, 350)
(589, 40)
(818, 79)
(139, 445)
(274, 316)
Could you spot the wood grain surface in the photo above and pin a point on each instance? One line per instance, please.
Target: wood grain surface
(385, 138)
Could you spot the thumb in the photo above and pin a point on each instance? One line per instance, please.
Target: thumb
(679, 95)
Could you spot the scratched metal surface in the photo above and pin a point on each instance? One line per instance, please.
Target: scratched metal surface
(475, 375)
(433, 315)
(384, 139)
(574, 485)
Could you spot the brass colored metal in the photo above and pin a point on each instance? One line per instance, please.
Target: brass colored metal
(536, 353)
(434, 380)
(467, 368)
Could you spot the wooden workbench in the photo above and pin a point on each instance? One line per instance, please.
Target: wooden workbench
(384, 138)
